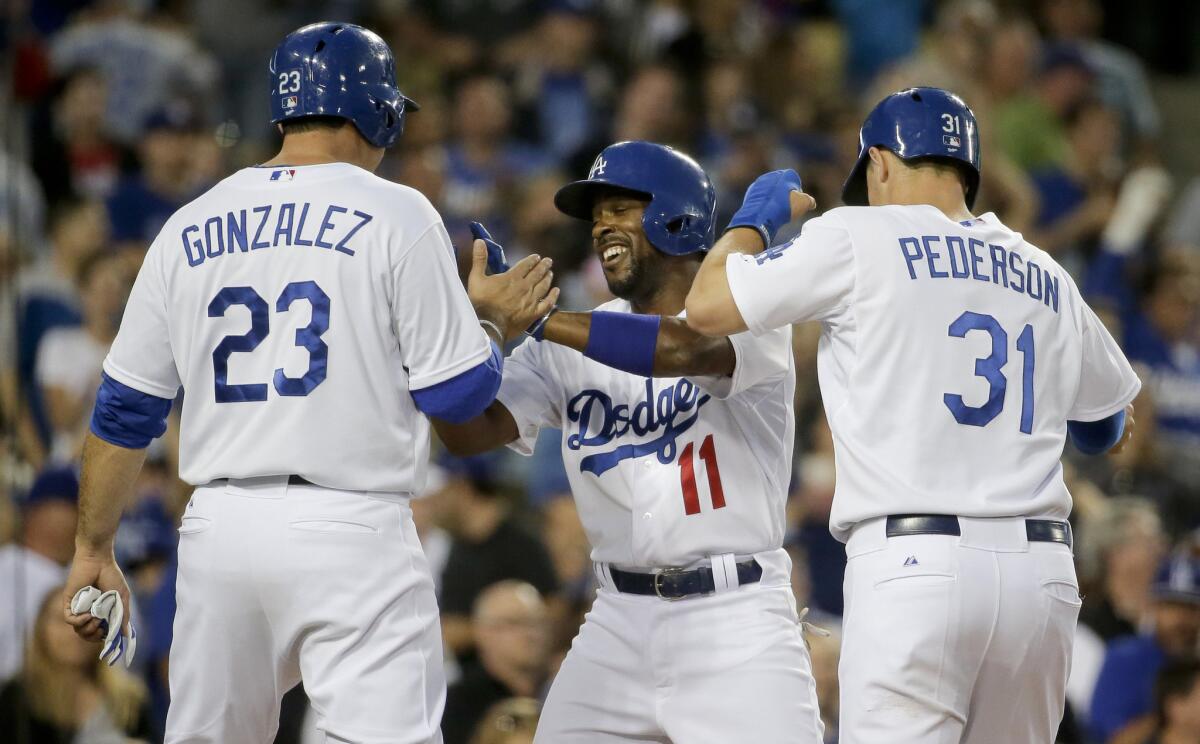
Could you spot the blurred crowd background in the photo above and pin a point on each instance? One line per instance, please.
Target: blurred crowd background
(116, 112)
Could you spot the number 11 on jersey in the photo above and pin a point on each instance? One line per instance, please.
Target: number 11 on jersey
(687, 476)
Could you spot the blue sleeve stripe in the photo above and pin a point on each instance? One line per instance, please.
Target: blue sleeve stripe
(127, 417)
(1096, 437)
(466, 395)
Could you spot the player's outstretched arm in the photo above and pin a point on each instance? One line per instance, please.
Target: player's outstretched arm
(647, 345)
(773, 200)
(493, 428)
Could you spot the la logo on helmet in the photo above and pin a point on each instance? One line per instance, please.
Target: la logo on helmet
(598, 167)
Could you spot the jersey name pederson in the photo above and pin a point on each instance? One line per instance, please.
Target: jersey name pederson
(271, 226)
(955, 257)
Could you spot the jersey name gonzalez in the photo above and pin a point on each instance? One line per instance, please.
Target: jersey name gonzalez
(272, 226)
(597, 420)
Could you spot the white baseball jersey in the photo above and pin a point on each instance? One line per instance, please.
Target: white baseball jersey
(298, 306)
(665, 471)
(952, 356)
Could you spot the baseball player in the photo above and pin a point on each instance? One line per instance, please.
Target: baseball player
(954, 360)
(678, 449)
(314, 316)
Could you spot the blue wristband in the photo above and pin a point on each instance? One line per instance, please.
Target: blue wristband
(624, 341)
(767, 206)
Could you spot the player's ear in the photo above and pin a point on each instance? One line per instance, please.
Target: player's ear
(879, 162)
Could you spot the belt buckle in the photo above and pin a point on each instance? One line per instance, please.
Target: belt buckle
(658, 583)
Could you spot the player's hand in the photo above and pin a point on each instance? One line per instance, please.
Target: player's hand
(773, 200)
(514, 299)
(99, 570)
(1127, 434)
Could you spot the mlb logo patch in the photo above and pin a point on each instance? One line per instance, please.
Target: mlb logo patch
(286, 174)
(290, 102)
(951, 140)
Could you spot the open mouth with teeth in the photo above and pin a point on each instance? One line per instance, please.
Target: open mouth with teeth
(612, 256)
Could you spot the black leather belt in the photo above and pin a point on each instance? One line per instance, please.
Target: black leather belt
(293, 480)
(677, 583)
(1036, 530)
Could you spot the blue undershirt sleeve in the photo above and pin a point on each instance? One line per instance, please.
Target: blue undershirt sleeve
(127, 417)
(466, 395)
(1097, 437)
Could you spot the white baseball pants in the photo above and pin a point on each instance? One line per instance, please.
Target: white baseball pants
(280, 583)
(726, 667)
(956, 640)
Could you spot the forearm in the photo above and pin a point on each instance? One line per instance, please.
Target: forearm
(679, 351)
(107, 479)
(711, 309)
(493, 428)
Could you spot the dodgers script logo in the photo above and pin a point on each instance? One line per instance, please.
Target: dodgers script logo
(673, 410)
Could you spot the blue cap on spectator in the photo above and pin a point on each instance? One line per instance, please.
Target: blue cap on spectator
(55, 483)
(1178, 579)
(176, 118)
(147, 533)
(1055, 56)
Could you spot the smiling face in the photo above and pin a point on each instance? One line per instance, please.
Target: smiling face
(626, 255)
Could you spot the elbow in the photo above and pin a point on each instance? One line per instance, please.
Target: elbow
(700, 316)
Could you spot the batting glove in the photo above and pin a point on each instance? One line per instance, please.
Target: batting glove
(498, 264)
(107, 606)
(767, 204)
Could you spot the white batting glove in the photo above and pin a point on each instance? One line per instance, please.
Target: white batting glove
(107, 606)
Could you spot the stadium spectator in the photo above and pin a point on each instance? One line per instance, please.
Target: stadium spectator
(1120, 76)
(488, 546)
(36, 564)
(1123, 702)
(143, 201)
(69, 358)
(1030, 126)
(146, 65)
(1178, 702)
(65, 693)
(72, 152)
(511, 721)
(511, 628)
(484, 162)
(559, 81)
(1119, 552)
(1078, 194)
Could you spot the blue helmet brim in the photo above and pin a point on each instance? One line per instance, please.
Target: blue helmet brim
(577, 198)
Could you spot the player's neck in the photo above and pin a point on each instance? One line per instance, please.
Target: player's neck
(319, 148)
(949, 204)
(668, 295)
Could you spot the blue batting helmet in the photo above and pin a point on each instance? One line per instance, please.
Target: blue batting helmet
(680, 216)
(918, 123)
(342, 70)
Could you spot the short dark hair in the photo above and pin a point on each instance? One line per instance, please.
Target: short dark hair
(1177, 678)
(304, 124)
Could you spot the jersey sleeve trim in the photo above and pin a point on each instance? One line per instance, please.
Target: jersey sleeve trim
(1122, 400)
(141, 384)
(428, 379)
